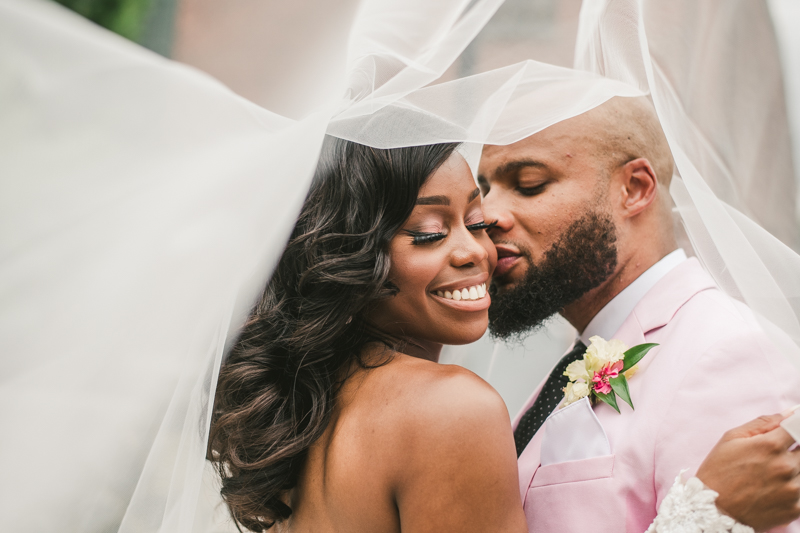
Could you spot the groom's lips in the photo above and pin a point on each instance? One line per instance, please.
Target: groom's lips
(507, 258)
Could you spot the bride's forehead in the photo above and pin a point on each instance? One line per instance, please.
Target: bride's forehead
(453, 177)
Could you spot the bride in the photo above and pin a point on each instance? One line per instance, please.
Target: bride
(331, 412)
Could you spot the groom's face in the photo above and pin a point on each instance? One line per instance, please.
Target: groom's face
(555, 234)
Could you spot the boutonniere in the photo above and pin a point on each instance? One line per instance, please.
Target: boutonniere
(603, 372)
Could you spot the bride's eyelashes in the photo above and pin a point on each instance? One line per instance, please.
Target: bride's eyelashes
(420, 237)
(482, 225)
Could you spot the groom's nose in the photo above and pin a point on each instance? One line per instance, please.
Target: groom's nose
(494, 210)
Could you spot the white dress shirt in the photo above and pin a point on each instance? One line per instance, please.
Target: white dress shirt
(610, 318)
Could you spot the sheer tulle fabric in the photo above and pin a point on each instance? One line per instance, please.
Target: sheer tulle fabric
(143, 204)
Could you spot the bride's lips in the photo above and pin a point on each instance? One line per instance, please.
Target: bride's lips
(507, 258)
(477, 284)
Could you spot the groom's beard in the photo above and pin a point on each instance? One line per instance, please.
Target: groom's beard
(584, 256)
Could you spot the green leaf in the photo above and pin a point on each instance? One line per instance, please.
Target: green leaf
(635, 354)
(619, 385)
(610, 399)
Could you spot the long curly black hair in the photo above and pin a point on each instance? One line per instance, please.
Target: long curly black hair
(279, 383)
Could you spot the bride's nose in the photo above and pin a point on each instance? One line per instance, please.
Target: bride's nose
(467, 251)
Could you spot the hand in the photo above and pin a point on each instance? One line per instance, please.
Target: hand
(755, 474)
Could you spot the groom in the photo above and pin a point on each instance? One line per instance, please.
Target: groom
(585, 229)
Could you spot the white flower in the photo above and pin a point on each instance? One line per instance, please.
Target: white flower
(602, 352)
(576, 371)
(574, 392)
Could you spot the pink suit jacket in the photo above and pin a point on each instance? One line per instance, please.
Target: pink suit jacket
(714, 369)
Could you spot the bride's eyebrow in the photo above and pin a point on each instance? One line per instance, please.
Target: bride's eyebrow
(444, 200)
(433, 200)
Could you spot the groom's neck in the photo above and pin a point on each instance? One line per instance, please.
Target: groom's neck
(584, 309)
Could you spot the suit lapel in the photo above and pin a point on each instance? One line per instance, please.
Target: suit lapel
(655, 310)
(660, 304)
(529, 462)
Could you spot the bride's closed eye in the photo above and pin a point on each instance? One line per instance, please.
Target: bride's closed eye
(481, 225)
(420, 237)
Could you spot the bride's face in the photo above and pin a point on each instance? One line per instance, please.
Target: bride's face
(441, 262)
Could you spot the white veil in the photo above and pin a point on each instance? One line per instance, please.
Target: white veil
(143, 204)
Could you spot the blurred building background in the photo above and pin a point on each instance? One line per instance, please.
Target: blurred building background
(150, 23)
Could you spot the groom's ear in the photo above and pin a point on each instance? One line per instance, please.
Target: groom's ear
(639, 186)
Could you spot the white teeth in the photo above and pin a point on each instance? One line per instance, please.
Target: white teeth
(475, 292)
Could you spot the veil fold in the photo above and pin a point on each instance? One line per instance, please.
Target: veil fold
(714, 188)
(143, 205)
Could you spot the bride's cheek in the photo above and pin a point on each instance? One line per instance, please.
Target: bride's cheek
(410, 269)
(491, 251)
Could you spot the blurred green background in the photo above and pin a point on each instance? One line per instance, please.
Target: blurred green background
(147, 22)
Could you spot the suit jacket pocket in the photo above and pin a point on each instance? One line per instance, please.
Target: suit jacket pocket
(575, 497)
(573, 433)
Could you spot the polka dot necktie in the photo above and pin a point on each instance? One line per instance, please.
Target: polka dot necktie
(548, 399)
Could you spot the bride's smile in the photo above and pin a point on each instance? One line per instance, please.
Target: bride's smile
(442, 261)
(463, 293)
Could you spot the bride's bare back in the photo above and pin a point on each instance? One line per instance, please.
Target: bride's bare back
(416, 444)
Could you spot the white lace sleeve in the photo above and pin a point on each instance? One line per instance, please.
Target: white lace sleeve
(690, 508)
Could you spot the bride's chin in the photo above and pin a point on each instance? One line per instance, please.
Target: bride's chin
(469, 334)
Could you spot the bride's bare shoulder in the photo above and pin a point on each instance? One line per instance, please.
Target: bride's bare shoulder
(439, 385)
(418, 400)
(439, 439)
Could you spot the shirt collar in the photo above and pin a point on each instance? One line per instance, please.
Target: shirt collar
(611, 317)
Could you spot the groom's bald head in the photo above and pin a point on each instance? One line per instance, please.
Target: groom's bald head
(585, 199)
(624, 129)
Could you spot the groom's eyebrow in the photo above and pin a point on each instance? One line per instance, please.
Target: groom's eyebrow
(515, 166)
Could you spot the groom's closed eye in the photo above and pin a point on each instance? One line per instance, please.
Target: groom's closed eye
(532, 191)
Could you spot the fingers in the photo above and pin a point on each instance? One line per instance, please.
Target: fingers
(790, 411)
(781, 438)
(759, 426)
(795, 456)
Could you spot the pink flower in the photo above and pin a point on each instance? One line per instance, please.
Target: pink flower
(601, 377)
(602, 387)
